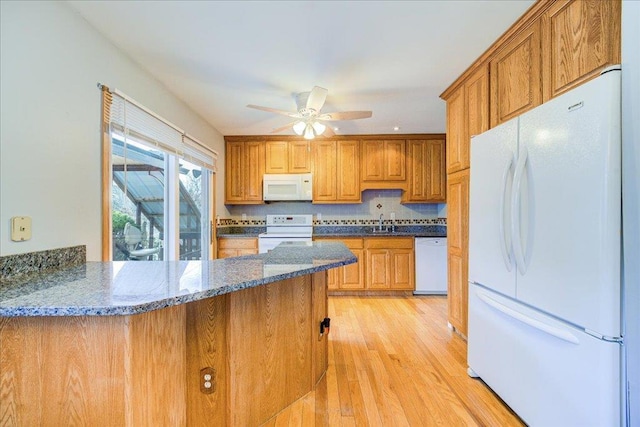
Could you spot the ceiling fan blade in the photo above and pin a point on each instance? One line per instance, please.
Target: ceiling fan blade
(316, 98)
(274, 110)
(285, 127)
(328, 132)
(345, 115)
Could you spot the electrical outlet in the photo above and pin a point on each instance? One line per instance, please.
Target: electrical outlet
(392, 215)
(207, 380)
(319, 216)
(244, 217)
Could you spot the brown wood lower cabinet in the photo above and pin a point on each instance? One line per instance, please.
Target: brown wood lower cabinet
(384, 264)
(390, 263)
(261, 346)
(350, 276)
(458, 248)
(236, 246)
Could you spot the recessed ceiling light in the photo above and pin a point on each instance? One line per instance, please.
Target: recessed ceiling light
(396, 128)
(336, 128)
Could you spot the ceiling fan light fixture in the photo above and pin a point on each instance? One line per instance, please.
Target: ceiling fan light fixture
(318, 128)
(308, 132)
(299, 127)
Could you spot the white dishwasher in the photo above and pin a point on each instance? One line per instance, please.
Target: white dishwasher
(431, 266)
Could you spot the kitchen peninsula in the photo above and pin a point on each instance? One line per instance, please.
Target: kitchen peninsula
(226, 342)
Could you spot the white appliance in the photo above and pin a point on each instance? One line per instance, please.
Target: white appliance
(545, 292)
(431, 265)
(286, 228)
(287, 187)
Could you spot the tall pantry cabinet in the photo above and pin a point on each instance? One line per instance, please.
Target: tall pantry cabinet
(555, 46)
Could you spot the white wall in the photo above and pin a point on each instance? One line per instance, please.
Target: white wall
(631, 195)
(50, 63)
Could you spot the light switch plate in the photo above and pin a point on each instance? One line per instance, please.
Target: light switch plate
(20, 228)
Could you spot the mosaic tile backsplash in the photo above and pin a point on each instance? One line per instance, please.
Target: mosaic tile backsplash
(374, 203)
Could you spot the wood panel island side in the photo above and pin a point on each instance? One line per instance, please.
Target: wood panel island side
(132, 343)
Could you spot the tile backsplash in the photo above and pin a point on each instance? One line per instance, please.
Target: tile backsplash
(374, 203)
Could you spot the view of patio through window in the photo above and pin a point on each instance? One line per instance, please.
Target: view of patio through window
(193, 203)
(138, 201)
(159, 181)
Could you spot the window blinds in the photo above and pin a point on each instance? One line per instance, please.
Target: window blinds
(132, 120)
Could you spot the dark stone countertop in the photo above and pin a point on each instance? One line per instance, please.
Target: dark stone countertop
(133, 287)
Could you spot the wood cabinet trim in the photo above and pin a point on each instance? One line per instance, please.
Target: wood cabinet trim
(532, 14)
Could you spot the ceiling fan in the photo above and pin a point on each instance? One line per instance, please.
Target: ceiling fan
(308, 119)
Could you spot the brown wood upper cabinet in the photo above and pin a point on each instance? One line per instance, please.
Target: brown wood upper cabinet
(579, 39)
(570, 43)
(244, 168)
(515, 76)
(336, 173)
(426, 166)
(467, 115)
(287, 157)
(383, 161)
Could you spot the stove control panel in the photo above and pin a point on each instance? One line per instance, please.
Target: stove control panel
(288, 220)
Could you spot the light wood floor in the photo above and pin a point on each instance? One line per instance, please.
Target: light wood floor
(394, 362)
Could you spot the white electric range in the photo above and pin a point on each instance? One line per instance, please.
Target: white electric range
(286, 228)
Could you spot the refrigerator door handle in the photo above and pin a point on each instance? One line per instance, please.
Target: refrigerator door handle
(505, 241)
(516, 196)
(534, 323)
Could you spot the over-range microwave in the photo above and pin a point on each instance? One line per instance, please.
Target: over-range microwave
(287, 187)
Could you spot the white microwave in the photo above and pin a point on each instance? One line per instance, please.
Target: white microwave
(283, 187)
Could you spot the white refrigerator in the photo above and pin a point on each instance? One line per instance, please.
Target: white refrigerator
(545, 308)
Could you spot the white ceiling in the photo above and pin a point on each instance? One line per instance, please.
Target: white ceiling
(391, 57)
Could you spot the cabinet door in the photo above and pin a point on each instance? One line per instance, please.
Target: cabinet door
(515, 76)
(324, 173)
(333, 279)
(436, 182)
(383, 160)
(234, 172)
(227, 253)
(253, 170)
(426, 164)
(458, 248)
(276, 157)
(476, 92)
(372, 160)
(457, 139)
(378, 269)
(348, 171)
(299, 157)
(395, 169)
(353, 274)
(579, 39)
(426, 171)
(402, 269)
(231, 247)
(417, 164)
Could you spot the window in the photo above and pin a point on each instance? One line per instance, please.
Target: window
(159, 183)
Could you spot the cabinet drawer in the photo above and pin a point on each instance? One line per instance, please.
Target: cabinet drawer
(349, 242)
(237, 243)
(388, 243)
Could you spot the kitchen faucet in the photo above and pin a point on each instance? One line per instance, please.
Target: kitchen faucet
(380, 222)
